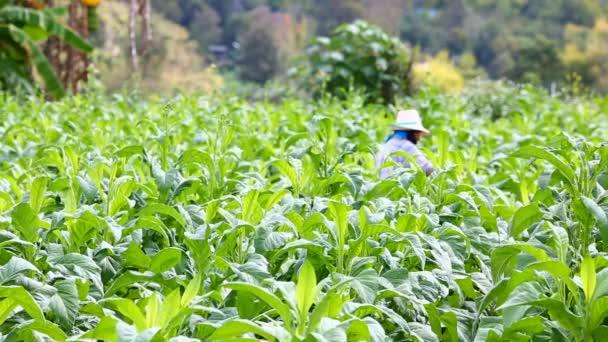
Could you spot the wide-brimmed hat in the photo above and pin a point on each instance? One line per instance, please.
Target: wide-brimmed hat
(409, 120)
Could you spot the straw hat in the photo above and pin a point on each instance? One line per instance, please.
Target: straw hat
(409, 120)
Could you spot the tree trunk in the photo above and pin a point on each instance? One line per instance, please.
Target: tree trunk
(132, 38)
(77, 62)
(70, 65)
(146, 13)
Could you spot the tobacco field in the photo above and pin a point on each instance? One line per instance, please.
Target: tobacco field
(214, 219)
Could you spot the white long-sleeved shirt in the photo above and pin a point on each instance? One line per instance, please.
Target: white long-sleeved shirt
(397, 144)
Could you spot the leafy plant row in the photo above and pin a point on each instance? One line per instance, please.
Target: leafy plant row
(214, 219)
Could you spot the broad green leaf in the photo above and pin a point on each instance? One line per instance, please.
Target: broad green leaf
(7, 306)
(37, 192)
(559, 313)
(65, 303)
(358, 331)
(47, 22)
(104, 331)
(163, 209)
(366, 285)
(131, 278)
(27, 222)
(43, 66)
(529, 326)
(165, 260)
(44, 327)
(153, 311)
(557, 162)
(269, 298)
(524, 218)
(505, 257)
(237, 328)
(306, 289)
(523, 295)
(22, 298)
(170, 307)
(274, 199)
(600, 216)
(598, 312)
(322, 309)
(601, 288)
(13, 269)
(588, 277)
(191, 290)
(129, 310)
(134, 256)
(450, 320)
(422, 332)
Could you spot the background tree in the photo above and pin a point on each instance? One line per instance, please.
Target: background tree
(331, 13)
(585, 53)
(362, 56)
(21, 29)
(268, 41)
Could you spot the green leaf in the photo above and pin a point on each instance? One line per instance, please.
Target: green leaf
(237, 328)
(306, 289)
(523, 295)
(130, 278)
(163, 209)
(528, 325)
(43, 66)
(170, 308)
(289, 172)
(22, 298)
(557, 162)
(366, 285)
(358, 331)
(134, 256)
(191, 290)
(599, 311)
(559, 313)
(37, 192)
(505, 257)
(600, 216)
(128, 309)
(153, 311)
(65, 303)
(588, 277)
(601, 288)
(26, 221)
(45, 21)
(13, 269)
(44, 327)
(524, 218)
(165, 259)
(269, 298)
(7, 306)
(104, 331)
(331, 300)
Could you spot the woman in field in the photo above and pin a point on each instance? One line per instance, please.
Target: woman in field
(407, 131)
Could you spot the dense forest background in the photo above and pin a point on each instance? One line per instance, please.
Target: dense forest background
(538, 41)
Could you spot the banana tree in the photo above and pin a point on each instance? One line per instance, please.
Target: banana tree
(21, 31)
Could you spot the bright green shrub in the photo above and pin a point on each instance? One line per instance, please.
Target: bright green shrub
(358, 56)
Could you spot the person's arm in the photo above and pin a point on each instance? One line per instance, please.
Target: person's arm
(424, 163)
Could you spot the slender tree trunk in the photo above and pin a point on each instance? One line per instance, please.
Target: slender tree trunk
(77, 62)
(53, 47)
(146, 13)
(132, 38)
(70, 65)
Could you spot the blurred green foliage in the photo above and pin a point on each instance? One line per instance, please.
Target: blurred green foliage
(523, 40)
(361, 56)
